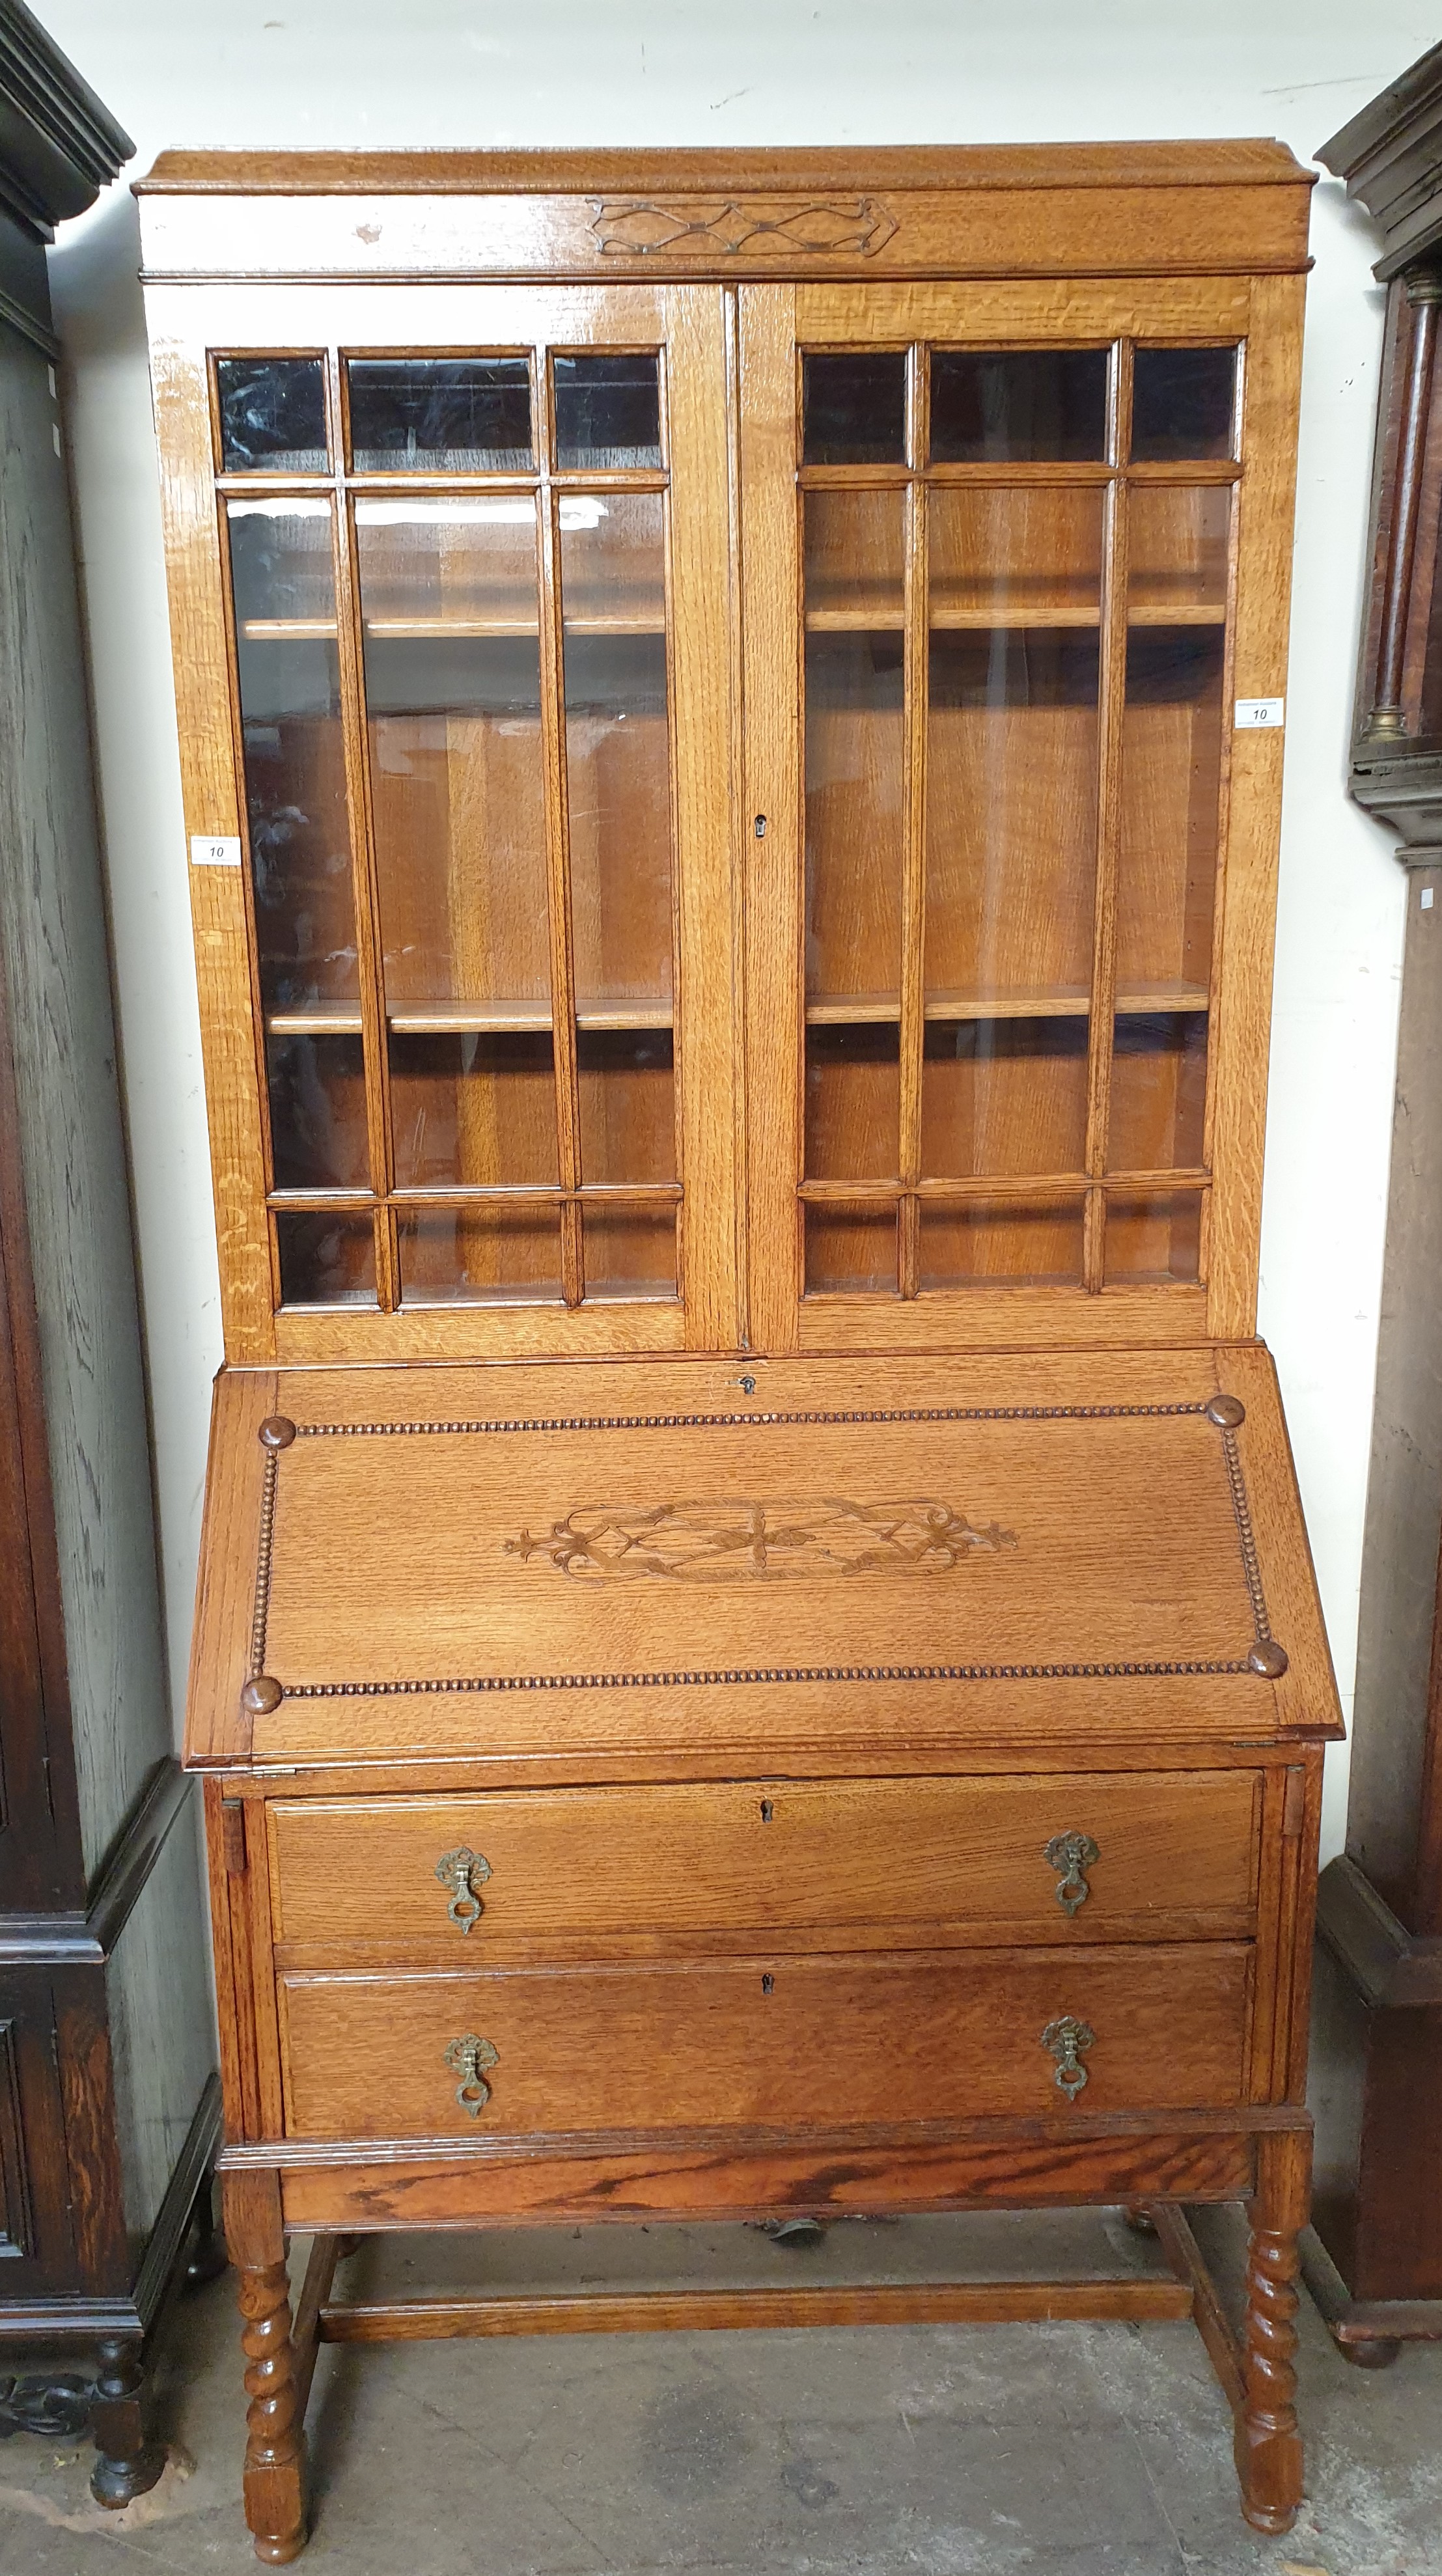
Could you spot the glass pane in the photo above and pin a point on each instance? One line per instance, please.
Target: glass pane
(1159, 1093)
(1154, 1240)
(628, 1104)
(473, 1106)
(494, 1256)
(453, 690)
(618, 760)
(284, 593)
(440, 415)
(855, 560)
(854, 407)
(1183, 403)
(1012, 1243)
(608, 412)
(852, 1248)
(629, 1252)
(317, 1113)
(1170, 792)
(1003, 1096)
(1031, 404)
(325, 1259)
(1011, 816)
(853, 1102)
(1024, 558)
(854, 814)
(1177, 553)
(272, 415)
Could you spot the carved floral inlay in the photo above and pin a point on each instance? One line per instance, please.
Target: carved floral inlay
(641, 228)
(743, 1541)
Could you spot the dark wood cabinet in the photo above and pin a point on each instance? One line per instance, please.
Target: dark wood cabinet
(108, 2113)
(1374, 2255)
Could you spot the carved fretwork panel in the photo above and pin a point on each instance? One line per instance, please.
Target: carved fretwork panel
(644, 229)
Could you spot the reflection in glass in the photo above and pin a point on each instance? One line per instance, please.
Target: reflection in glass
(1011, 815)
(1158, 1092)
(854, 813)
(855, 560)
(618, 761)
(1004, 1243)
(851, 1248)
(1029, 557)
(1003, 1096)
(492, 1256)
(1170, 791)
(440, 415)
(608, 412)
(272, 415)
(628, 1104)
(629, 1253)
(453, 691)
(1177, 552)
(325, 1259)
(317, 1113)
(1154, 1240)
(476, 1107)
(1027, 405)
(854, 407)
(853, 1102)
(1183, 403)
(284, 595)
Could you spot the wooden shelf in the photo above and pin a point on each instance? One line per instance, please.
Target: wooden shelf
(461, 1019)
(316, 1020)
(1009, 617)
(287, 630)
(850, 620)
(290, 630)
(825, 1010)
(1176, 612)
(1052, 1002)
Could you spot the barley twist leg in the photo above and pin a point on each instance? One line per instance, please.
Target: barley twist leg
(275, 2444)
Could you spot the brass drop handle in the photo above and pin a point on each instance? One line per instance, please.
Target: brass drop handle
(466, 2057)
(1066, 2039)
(1073, 1855)
(463, 1872)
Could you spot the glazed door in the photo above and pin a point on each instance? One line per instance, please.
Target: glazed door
(998, 544)
(474, 552)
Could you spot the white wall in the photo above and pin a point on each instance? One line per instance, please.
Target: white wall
(256, 73)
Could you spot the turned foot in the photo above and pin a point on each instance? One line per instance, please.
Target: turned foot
(1268, 2445)
(275, 2444)
(1377, 2353)
(127, 2463)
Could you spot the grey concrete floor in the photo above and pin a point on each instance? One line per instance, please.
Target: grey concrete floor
(1070, 2450)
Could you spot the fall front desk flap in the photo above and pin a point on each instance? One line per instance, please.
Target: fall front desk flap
(536, 1566)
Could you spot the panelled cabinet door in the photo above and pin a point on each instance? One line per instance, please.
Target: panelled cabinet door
(471, 554)
(1012, 554)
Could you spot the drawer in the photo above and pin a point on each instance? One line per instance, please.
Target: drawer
(561, 1870)
(781, 2042)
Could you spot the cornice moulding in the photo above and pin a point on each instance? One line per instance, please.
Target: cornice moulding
(59, 143)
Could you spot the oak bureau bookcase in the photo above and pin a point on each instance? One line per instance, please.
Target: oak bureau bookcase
(756, 1649)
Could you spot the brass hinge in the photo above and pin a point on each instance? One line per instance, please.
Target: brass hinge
(1294, 1805)
(232, 1835)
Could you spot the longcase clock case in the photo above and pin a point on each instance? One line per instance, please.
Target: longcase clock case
(756, 1649)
